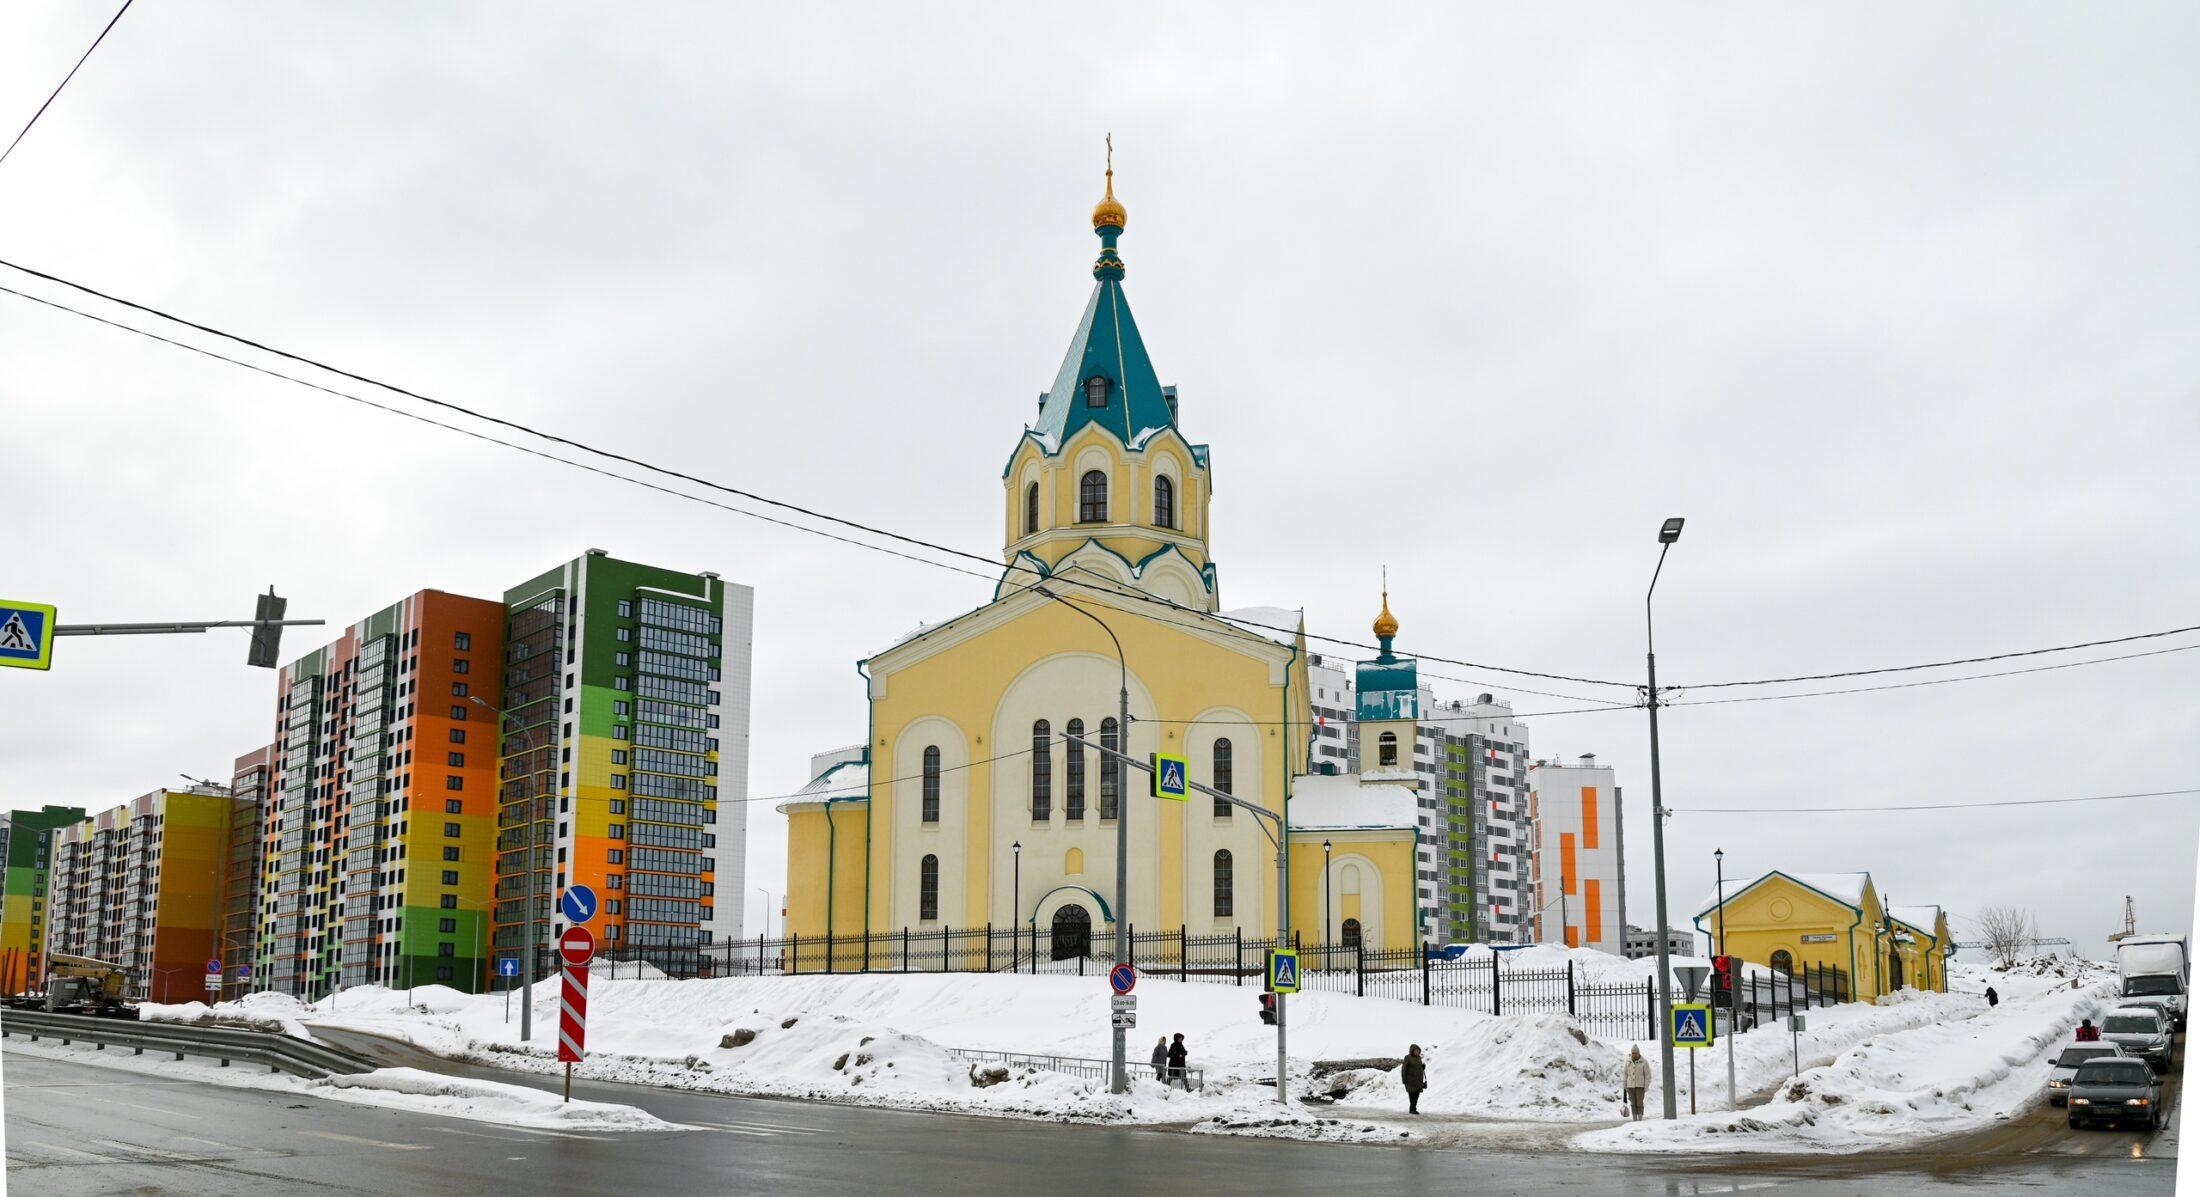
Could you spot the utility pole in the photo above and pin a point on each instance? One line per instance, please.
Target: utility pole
(534, 843)
(1667, 534)
(1733, 989)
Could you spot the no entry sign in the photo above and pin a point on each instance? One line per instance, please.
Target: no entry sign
(577, 945)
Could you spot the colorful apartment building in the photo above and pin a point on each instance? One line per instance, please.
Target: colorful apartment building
(1580, 863)
(26, 854)
(252, 784)
(626, 758)
(141, 885)
(377, 846)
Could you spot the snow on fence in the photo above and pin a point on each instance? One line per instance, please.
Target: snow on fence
(1624, 1010)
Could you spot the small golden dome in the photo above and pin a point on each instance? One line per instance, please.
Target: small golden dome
(1386, 624)
(1109, 210)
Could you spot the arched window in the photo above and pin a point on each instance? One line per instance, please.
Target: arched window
(1164, 501)
(1031, 509)
(1092, 498)
(1042, 772)
(1111, 772)
(932, 783)
(1096, 391)
(1349, 934)
(1222, 777)
(1073, 780)
(1386, 750)
(928, 889)
(1225, 894)
(1783, 962)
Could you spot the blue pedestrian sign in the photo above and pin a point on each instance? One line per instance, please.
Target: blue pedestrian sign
(1171, 775)
(1122, 977)
(1690, 1025)
(507, 967)
(1283, 971)
(26, 635)
(579, 904)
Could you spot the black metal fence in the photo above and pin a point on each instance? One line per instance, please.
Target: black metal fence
(1486, 984)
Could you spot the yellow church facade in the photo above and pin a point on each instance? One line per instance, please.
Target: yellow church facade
(969, 803)
(1794, 922)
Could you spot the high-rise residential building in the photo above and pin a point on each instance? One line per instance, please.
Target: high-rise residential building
(626, 690)
(26, 859)
(251, 784)
(378, 844)
(1580, 866)
(141, 885)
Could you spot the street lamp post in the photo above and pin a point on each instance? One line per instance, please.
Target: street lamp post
(1668, 533)
(1328, 921)
(534, 842)
(1016, 908)
(1120, 1079)
(1733, 993)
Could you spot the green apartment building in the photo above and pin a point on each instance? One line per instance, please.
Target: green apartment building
(26, 860)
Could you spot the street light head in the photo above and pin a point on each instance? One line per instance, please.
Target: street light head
(1671, 531)
(1017, 847)
(1325, 845)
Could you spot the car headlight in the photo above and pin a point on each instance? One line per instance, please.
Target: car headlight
(2057, 1083)
(2137, 1101)
(2081, 1101)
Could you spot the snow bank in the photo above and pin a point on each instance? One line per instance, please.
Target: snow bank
(484, 1101)
(1957, 1067)
(277, 1013)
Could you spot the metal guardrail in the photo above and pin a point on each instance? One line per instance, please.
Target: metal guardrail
(1079, 1066)
(280, 1053)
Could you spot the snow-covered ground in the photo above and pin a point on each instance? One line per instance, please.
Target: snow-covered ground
(1915, 1065)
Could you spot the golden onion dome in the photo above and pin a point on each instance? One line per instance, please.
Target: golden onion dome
(1109, 211)
(1386, 624)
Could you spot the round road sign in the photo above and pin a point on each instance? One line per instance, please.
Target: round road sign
(577, 946)
(213, 966)
(1122, 978)
(578, 904)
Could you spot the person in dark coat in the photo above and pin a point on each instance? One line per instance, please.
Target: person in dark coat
(1414, 1072)
(1992, 999)
(1161, 1059)
(1177, 1056)
(2088, 1033)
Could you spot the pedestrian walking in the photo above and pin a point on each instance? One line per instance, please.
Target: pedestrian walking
(1413, 1070)
(1636, 1082)
(1177, 1056)
(1161, 1059)
(1992, 999)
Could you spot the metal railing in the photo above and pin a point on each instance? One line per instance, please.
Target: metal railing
(1078, 1066)
(279, 1053)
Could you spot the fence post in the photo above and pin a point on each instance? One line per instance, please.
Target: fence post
(905, 948)
(794, 954)
(1359, 966)
(1183, 954)
(989, 947)
(1237, 966)
(1570, 1011)
(1497, 1005)
(1650, 1009)
(1423, 949)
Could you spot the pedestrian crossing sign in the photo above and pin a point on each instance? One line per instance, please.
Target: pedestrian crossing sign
(1170, 776)
(1283, 970)
(26, 635)
(1689, 1025)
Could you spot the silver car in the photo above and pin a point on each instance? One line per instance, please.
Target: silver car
(2140, 1031)
(2066, 1066)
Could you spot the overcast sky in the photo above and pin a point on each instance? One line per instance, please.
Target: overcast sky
(1897, 304)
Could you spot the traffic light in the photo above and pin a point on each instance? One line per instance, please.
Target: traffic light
(1722, 974)
(1268, 1009)
(267, 638)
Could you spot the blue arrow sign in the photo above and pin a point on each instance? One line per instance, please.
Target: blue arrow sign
(579, 904)
(507, 967)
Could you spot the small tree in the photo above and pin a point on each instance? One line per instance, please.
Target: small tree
(2006, 932)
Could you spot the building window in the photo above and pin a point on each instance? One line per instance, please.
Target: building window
(1782, 961)
(450, 876)
(1092, 498)
(446, 926)
(1073, 774)
(450, 853)
(453, 806)
(450, 901)
(458, 689)
(626, 608)
(1350, 933)
(1096, 391)
(459, 713)
(1031, 508)
(1224, 779)
(928, 889)
(1164, 502)
(458, 735)
(462, 641)
(456, 760)
(1111, 771)
(1386, 749)
(446, 949)
(461, 665)
(1042, 772)
(931, 783)
(1225, 899)
(618, 781)
(450, 831)
(454, 781)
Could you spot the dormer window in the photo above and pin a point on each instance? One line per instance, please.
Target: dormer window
(1096, 391)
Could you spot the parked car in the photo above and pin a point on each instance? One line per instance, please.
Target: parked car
(2161, 991)
(2066, 1066)
(2115, 1091)
(2142, 1032)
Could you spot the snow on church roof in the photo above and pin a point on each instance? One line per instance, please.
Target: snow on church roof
(1269, 620)
(1845, 888)
(848, 779)
(1341, 802)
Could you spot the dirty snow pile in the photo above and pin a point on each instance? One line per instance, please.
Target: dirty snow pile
(484, 1101)
(278, 1013)
(1958, 1066)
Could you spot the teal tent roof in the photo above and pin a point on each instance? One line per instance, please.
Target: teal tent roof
(1106, 345)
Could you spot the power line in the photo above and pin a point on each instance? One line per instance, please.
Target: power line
(639, 463)
(65, 81)
(2029, 652)
(1846, 810)
(1939, 681)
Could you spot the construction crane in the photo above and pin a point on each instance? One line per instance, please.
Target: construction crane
(82, 985)
(2036, 942)
(2131, 922)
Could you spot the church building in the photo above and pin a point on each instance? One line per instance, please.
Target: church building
(969, 803)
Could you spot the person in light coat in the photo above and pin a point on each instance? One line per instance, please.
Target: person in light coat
(1161, 1059)
(1637, 1082)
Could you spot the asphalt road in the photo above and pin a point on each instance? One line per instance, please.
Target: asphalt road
(77, 1127)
